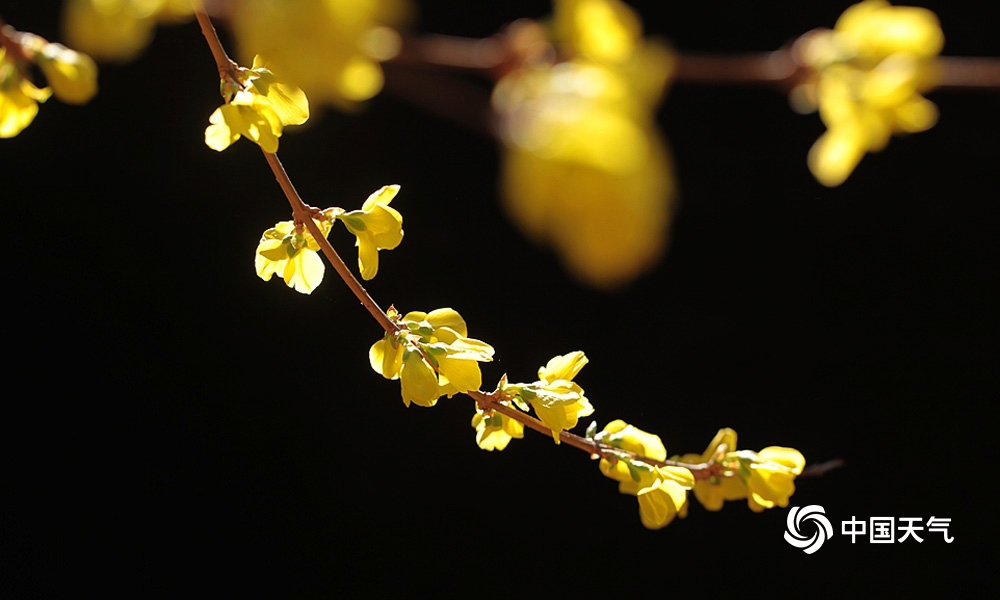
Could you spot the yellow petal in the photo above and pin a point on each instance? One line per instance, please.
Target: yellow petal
(72, 75)
(220, 135)
(386, 359)
(835, 155)
(304, 271)
(563, 367)
(382, 196)
(418, 381)
(463, 374)
(367, 257)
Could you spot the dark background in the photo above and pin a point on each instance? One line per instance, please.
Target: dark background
(174, 424)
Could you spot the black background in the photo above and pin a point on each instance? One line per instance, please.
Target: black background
(176, 425)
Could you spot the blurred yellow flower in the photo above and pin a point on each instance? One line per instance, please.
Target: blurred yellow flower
(19, 98)
(377, 227)
(871, 71)
(494, 431)
(329, 48)
(260, 111)
(118, 30)
(585, 168)
(291, 254)
(72, 75)
(431, 357)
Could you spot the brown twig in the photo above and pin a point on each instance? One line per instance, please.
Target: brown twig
(303, 214)
(490, 402)
(227, 66)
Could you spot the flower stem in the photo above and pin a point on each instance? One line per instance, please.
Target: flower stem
(227, 66)
(302, 214)
(592, 447)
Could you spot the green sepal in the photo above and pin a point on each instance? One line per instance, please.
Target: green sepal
(632, 471)
(353, 221)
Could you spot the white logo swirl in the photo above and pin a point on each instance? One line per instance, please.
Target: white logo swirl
(815, 513)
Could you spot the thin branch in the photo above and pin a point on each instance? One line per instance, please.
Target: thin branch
(227, 66)
(961, 73)
(594, 448)
(302, 213)
(305, 214)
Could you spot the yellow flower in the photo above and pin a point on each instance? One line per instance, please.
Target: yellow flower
(432, 356)
(377, 227)
(494, 431)
(259, 110)
(772, 477)
(585, 168)
(665, 498)
(662, 491)
(764, 478)
(871, 70)
(19, 98)
(557, 400)
(72, 75)
(620, 434)
(713, 493)
(292, 254)
(329, 48)
(118, 29)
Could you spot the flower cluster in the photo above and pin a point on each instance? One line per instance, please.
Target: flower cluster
(432, 356)
(661, 490)
(558, 400)
(766, 478)
(260, 108)
(495, 430)
(377, 227)
(118, 30)
(71, 76)
(585, 168)
(291, 250)
(329, 48)
(871, 71)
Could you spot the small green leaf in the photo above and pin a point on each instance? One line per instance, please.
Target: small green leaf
(632, 471)
(591, 430)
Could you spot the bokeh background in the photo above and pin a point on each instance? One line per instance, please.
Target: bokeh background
(175, 424)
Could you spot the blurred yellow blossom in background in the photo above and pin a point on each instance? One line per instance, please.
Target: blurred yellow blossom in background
(871, 71)
(19, 98)
(71, 76)
(329, 48)
(585, 168)
(118, 30)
